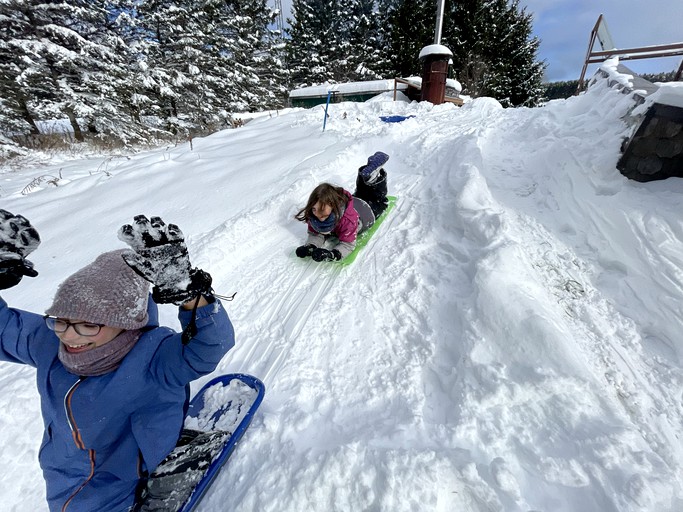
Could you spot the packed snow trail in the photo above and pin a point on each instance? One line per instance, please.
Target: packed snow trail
(491, 241)
(508, 341)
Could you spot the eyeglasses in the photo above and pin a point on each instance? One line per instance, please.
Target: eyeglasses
(59, 325)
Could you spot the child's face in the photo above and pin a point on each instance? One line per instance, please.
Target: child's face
(322, 211)
(75, 343)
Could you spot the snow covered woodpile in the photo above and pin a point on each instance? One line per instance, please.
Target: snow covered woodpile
(655, 149)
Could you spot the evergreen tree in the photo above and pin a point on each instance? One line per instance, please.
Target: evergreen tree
(138, 99)
(664, 76)
(252, 49)
(66, 61)
(275, 73)
(172, 64)
(560, 90)
(410, 27)
(21, 84)
(204, 60)
(113, 66)
(313, 39)
(367, 60)
(361, 52)
(334, 41)
(15, 115)
(494, 53)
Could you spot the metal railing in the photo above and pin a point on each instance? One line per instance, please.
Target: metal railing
(643, 52)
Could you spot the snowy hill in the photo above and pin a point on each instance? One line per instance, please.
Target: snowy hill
(510, 340)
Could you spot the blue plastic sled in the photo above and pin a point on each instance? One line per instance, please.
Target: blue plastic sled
(395, 119)
(197, 404)
(217, 417)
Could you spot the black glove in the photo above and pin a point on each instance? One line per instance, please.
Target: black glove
(160, 256)
(305, 250)
(325, 255)
(17, 240)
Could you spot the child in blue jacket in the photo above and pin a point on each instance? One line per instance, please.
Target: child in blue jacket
(112, 382)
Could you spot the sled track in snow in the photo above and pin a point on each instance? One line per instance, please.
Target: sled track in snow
(288, 315)
(287, 304)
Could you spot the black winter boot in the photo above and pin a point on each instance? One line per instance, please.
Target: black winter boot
(375, 194)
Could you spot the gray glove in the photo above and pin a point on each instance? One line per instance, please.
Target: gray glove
(17, 240)
(160, 256)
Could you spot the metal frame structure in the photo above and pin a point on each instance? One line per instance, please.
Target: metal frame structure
(279, 19)
(601, 33)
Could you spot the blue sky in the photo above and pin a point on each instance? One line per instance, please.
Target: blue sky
(564, 27)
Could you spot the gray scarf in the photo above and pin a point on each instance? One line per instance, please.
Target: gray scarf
(102, 359)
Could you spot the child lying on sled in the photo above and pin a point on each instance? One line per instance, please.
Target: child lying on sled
(333, 213)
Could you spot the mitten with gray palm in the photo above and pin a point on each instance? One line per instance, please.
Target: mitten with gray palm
(160, 256)
(17, 240)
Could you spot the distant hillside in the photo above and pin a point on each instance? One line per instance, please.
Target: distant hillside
(562, 90)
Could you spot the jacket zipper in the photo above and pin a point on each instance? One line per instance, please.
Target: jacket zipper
(77, 439)
(91, 456)
(69, 414)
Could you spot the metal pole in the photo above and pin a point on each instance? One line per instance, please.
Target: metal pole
(279, 25)
(591, 42)
(327, 104)
(439, 21)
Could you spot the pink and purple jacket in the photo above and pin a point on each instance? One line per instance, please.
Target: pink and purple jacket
(345, 230)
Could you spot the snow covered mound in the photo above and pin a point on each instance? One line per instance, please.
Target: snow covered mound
(510, 340)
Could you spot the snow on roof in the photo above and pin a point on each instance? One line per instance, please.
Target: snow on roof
(610, 68)
(377, 86)
(370, 86)
(435, 49)
(669, 93)
(450, 82)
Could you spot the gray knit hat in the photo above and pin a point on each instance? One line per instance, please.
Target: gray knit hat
(105, 292)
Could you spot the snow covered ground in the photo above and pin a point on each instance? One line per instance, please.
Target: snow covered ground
(510, 340)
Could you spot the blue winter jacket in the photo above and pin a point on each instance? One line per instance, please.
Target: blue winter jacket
(102, 433)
